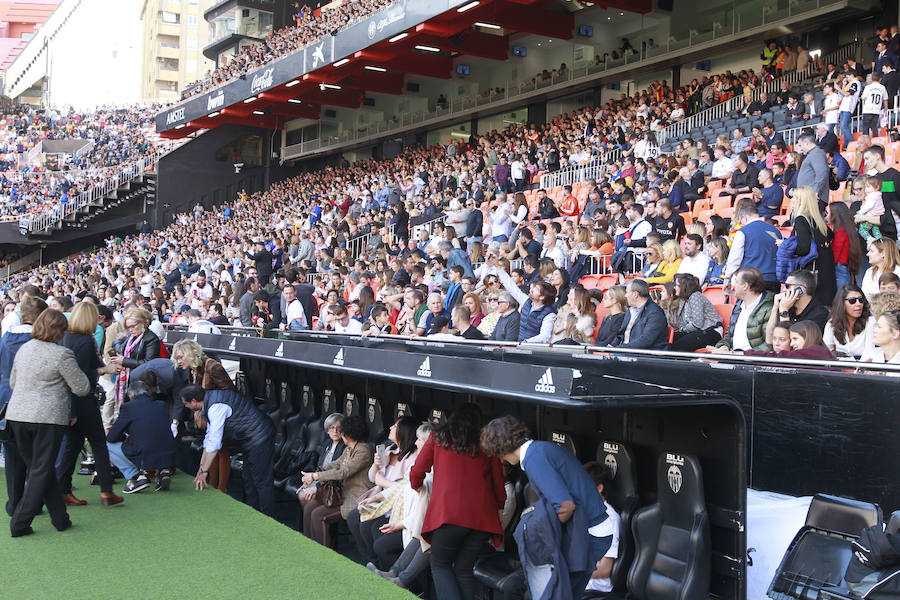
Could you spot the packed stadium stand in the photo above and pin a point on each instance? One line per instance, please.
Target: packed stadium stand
(606, 318)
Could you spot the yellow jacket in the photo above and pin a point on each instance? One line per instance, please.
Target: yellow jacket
(668, 270)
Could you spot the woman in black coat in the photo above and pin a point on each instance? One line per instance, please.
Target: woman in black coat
(809, 226)
(614, 301)
(139, 346)
(79, 339)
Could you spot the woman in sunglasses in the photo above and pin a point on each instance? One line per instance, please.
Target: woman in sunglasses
(849, 331)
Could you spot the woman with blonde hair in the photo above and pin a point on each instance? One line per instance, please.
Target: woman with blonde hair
(209, 374)
(809, 227)
(133, 349)
(88, 424)
(884, 258)
(668, 266)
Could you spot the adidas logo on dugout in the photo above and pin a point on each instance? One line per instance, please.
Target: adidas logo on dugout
(545, 383)
(424, 368)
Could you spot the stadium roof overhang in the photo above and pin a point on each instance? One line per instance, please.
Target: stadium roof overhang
(417, 37)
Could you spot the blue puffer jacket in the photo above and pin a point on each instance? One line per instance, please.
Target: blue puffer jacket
(9, 345)
(786, 262)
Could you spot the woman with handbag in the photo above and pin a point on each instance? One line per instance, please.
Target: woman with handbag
(80, 340)
(43, 378)
(341, 482)
(330, 448)
(12, 340)
(136, 347)
(809, 226)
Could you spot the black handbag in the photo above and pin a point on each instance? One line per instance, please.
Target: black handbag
(4, 424)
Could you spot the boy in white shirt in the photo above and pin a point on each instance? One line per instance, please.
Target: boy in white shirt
(874, 98)
(600, 579)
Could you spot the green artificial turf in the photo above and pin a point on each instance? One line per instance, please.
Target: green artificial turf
(176, 544)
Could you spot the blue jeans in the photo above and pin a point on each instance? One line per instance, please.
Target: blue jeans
(500, 238)
(846, 129)
(118, 458)
(841, 274)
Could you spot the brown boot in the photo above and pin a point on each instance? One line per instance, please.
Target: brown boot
(71, 500)
(109, 499)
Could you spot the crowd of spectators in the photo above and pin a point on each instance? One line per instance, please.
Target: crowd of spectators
(308, 27)
(113, 138)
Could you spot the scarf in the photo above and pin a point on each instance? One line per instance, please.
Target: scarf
(122, 378)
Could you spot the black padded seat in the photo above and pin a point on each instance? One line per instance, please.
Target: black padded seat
(351, 405)
(375, 420)
(817, 557)
(622, 495)
(502, 571)
(672, 540)
(563, 439)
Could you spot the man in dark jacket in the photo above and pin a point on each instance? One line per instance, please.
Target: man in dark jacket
(234, 419)
(645, 324)
(141, 439)
(262, 260)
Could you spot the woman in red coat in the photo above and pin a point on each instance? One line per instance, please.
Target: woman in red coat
(466, 497)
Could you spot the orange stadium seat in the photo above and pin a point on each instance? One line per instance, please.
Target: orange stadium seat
(724, 311)
(599, 282)
(720, 203)
(716, 294)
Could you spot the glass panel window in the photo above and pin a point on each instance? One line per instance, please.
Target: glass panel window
(192, 43)
(170, 17)
(192, 20)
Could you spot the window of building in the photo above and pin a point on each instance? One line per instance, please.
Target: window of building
(192, 43)
(190, 65)
(170, 17)
(192, 20)
(168, 41)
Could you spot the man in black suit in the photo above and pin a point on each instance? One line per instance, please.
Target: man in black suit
(141, 439)
(826, 140)
(796, 110)
(890, 79)
(883, 57)
(262, 260)
(645, 325)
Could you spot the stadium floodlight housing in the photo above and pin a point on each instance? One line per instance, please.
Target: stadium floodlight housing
(296, 101)
(378, 69)
(398, 37)
(341, 62)
(428, 48)
(250, 99)
(213, 114)
(466, 7)
(329, 86)
(258, 112)
(487, 25)
(292, 83)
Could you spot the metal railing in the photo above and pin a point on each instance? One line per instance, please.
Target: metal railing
(61, 212)
(681, 128)
(594, 169)
(893, 120)
(519, 90)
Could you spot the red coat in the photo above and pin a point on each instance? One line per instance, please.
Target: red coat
(467, 490)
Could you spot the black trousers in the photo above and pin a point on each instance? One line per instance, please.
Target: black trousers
(870, 124)
(364, 534)
(38, 445)
(89, 425)
(259, 477)
(388, 547)
(15, 476)
(694, 340)
(453, 553)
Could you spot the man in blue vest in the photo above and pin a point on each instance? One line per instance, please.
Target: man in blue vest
(755, 245)
(232, 417)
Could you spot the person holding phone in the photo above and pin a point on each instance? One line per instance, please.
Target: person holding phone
(797, 302)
